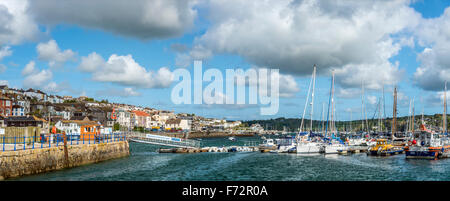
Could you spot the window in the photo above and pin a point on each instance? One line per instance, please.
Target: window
(8, 103)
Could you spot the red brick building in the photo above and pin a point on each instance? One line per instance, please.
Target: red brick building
(5, 106)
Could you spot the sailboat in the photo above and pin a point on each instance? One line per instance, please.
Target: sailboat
(428, 144)
(306, 143)
(332, 145)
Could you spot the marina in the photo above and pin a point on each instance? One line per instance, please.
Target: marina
(146, 164)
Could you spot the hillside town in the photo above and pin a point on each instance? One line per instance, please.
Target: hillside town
(31, 107)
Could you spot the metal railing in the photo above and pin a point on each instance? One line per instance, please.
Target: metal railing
(55, 140)
(163, 140)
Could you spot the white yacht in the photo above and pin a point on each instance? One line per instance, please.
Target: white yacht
(333, 148)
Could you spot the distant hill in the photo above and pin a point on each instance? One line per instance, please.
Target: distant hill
(292, 124)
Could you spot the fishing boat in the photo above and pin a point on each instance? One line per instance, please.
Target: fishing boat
(232, 138)
(428, 144)
(384, 148)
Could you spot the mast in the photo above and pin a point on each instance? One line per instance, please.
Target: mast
(312, 97)
(444, 117)
(413, 115)
(384, 111)
(329, 105)
(323, 116)
(332, 103)
(394, 114)
(362, 106)
(351, 120)
(306, 103)
(408, 122)
(379, 115)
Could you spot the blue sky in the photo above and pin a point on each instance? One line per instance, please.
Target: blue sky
(240, 49)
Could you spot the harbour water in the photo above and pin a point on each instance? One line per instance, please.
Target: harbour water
(146, 164)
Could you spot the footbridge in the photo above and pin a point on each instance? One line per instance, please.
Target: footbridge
(163, 140)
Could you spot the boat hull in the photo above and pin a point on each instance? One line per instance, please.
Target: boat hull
(385, 153)
(308, 149)
(421, 155)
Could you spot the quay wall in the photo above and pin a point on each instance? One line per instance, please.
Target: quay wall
(34, 161)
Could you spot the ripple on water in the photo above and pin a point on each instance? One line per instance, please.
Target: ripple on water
(145, 164)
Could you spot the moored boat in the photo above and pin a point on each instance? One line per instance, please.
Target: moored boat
(383, 148)
(427, 145)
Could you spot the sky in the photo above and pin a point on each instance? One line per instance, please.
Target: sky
(127, 52)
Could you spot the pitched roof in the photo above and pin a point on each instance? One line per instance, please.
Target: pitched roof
(173, 121)
(140, 113)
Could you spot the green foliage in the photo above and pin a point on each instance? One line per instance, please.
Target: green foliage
(293, 124)
(116, 126)
(139, 129)
(70, 101)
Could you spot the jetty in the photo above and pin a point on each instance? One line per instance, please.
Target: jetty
(354, 149)
(163, 140)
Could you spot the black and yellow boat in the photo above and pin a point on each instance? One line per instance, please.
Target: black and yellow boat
(383, 148)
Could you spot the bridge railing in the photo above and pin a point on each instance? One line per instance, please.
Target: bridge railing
(163, 140)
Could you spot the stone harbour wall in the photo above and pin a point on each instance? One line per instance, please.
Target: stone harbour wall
(34, 161)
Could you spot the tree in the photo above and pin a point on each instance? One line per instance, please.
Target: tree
(116, 126)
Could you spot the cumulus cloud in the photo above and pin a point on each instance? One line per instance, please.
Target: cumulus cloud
(16, 25)
(54, 87)
(29, 68)
(288, 87)
(2, 68)
(51, 53)
(37, 80)
(144, 19)
(295, 35)
(125, 92)
(372, 99)
(348, 93)
(91, 62)
(434, 70)
(4, 52)
(124, 70)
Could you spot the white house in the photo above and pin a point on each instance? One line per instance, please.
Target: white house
(178, 124)
(69, 127)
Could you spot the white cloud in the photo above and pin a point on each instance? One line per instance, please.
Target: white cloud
(54, 87)
(124, 70)
(16, 25)
(434, 70)
(372, 100)
(29, 68)
(37, 80)
(295, 35)
(348, 92)
(2, 68)
(145, 19)
(126, 92)
(4, 82)
(4, 52)
(91, 62)
(288, 87)
(50, 52)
